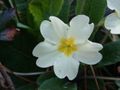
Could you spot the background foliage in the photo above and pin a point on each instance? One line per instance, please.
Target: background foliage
(19, 33)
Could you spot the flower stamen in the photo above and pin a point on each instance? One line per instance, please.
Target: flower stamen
(67, 46)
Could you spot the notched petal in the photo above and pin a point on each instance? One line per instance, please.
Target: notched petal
(112, 23)
(80, 28)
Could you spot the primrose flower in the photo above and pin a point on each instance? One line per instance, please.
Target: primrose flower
(66, 46)
(112, 21)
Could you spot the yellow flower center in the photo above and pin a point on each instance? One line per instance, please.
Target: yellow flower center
(67, 46)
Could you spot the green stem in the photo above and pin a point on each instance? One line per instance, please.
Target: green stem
(95, 77)
(85, 75)
(105, 38)
(103, 78)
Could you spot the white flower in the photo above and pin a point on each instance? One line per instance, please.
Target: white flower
(112, 21)
(66, 46)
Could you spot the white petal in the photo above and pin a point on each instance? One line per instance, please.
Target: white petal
(66, 67)
(43, 48)
(48, 32)
(47, 60)
(88, 53)
(80, 28)
(114, 5)
(112, 22)
(91, 46)
(59, 26)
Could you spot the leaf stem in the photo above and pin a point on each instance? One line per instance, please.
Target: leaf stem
(104, 78)
(95, 77)
(105, 38)
(28, 74)
(85, 79)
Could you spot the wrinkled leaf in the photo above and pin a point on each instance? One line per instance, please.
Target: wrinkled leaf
(95, 9)
(117, 83)
(21, 5)
(43, 9)
(111, 54)
(57, 84)
(64, 13)
(27, 87)
(44, 77)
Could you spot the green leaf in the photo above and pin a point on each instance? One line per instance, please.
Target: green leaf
(21, 5)
(57, 84)
(42, 9)
(44, 77)
(25, 19)
(117, 83)
(27, 87)
(64, 13)
(95, 9)
(111, 54)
